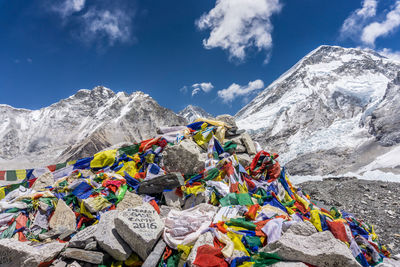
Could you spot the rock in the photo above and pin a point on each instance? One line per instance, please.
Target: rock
(50, 234)
(244, 159)
(248, 143)
(91, 246)
(96, 204)
(155, 255)
(233, 133)
(130, 200)
(16, 253)
(58, 263)
(160, 183)
(94, 257)
(172, 199)
(302, 228)
(186, 158)
(82, 238)
(195, 200)
(319, 249)
(140, 227)
(108, 238)
(235, 139)
(43, 181)
(205, 239)
(63, 217)
(228, 119)
(240, 149)
(49, 251)
(74, 264)
(66, 234)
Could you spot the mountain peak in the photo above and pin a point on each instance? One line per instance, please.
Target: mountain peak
(191, 113)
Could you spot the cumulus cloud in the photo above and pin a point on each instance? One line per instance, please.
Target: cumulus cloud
(198, 87)
(237, 25)
(97, 22)
(113, 25)
(354, 23)
(235, 90)
(377, 29)
(365, 25)
(389, 53)
(68, 7)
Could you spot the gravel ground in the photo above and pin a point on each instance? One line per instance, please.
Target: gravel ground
(375, 202)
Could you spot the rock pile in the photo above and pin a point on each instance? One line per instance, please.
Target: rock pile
(201, 195)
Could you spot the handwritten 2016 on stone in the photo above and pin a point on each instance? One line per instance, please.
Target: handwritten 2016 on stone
(142, 219)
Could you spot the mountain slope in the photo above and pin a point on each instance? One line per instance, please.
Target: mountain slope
(191, 113)
(328, 113)
(78, 126)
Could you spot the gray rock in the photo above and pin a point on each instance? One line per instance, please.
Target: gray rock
(63, 217)
(16, 253)
(240, 149)
(94, 257)
(108, 238)
(228, 119)
(186, 158)
(320, 249)
(91, 246)
(244, 159)
(43, 181)
(172, 199)
(155, 255)
(235, 139)
(159, 183)
(248, 143)
(66, 234)
(140, 227)
(193, 200)
(302, 228)
(74, 264)
(82, 238)
(130, 200)
(58, 263)
(205, 239)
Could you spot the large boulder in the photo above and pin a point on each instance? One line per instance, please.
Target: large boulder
(302, 228)
(63, 217)
(160, 183)
(319, 249)
(248, 143)
(16, 253)
(84, 237)
(140, 227)
(130, 200)
(94, 257)
(43, 181)
(108, 238)
(186, 158)
(228, 119)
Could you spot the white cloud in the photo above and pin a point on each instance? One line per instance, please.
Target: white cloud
(113, 25)
(389, 53)
(184, 89)
(68, 7)
(237, 25)
(377, 29)
(354, 23)
(198, 87)
(235, 90)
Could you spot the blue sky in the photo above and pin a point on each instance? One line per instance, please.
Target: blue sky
(214, 54)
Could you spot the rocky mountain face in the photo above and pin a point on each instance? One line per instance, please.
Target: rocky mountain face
(191, 113)
(333, 112)
(78, 126)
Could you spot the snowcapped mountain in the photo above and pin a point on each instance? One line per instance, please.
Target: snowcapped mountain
(78, 126)
(333, 112)
(191, 113)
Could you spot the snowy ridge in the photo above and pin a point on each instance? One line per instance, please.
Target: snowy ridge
(78, 126)
(325, 106)
(191, 113)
